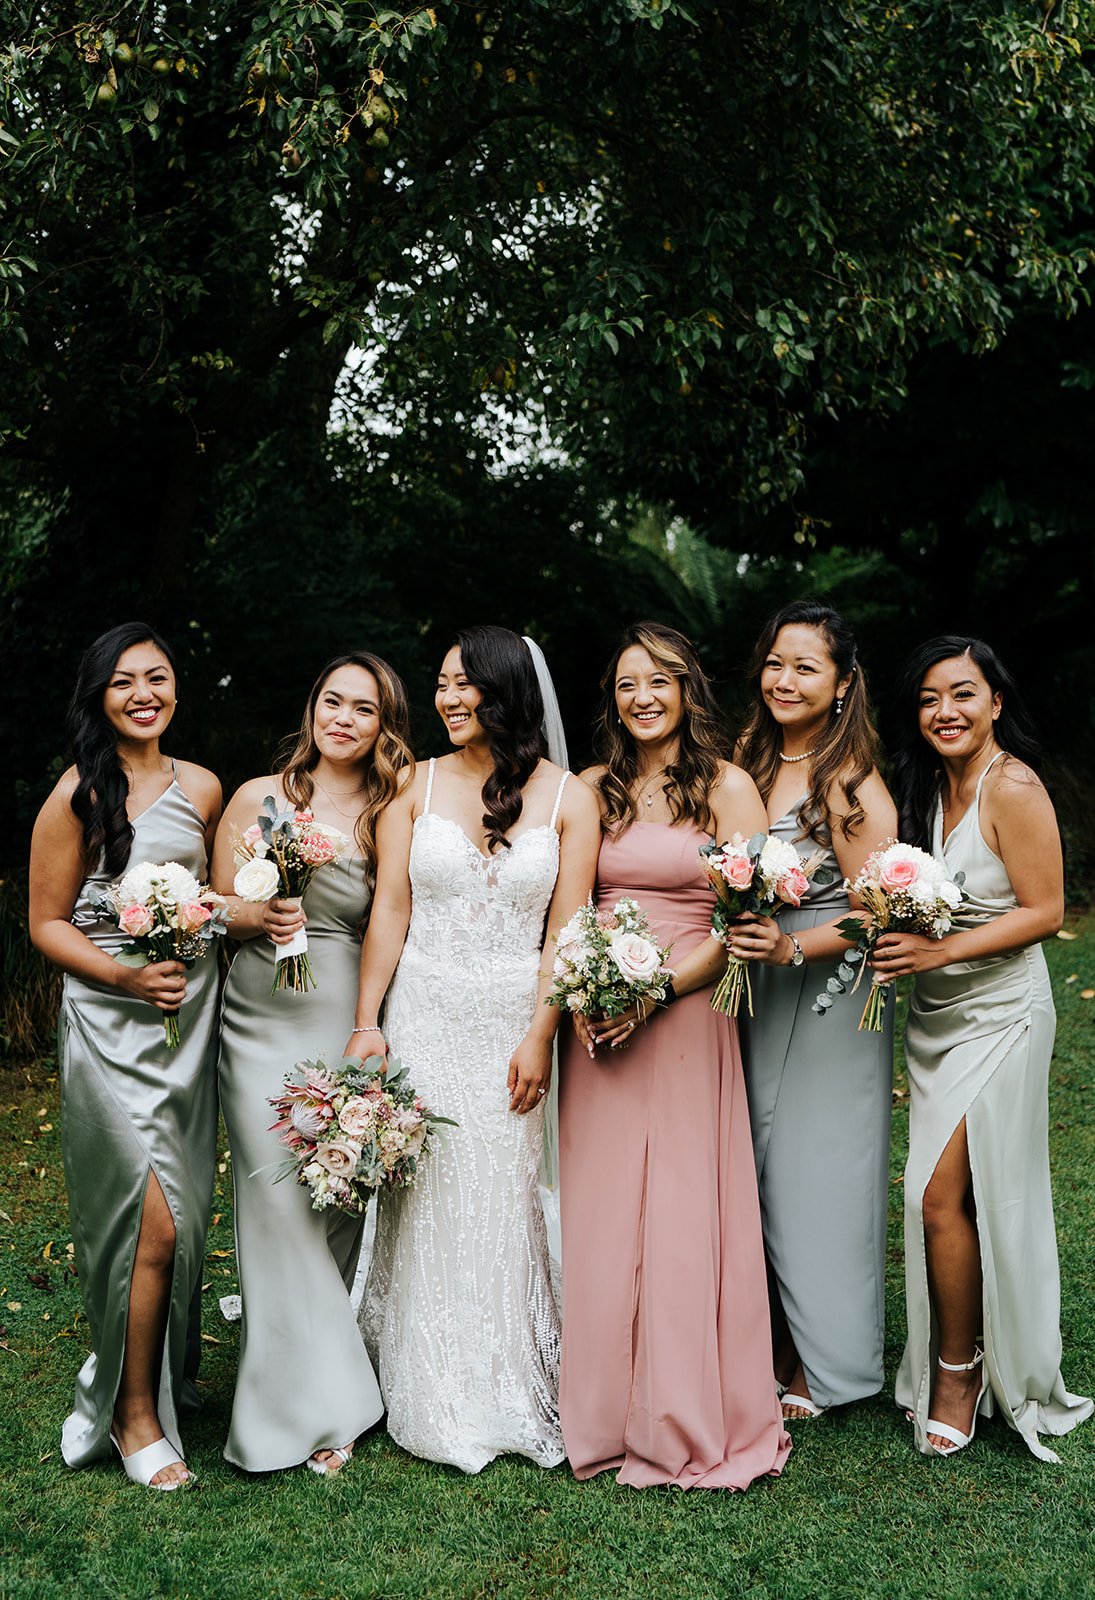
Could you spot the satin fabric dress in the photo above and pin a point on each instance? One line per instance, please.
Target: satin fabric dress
(819, 1097)
(304, 1382)
(131, 1107)
(458, 1307)
(978, 1044)
(667, 1357)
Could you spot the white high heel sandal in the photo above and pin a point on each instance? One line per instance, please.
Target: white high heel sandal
(958, 1439)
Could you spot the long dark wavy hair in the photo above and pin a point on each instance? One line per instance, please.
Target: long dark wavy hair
(917, 769)
(703, 737)
(497, 662)
(390, 754)
(102, 788)
(847, 751)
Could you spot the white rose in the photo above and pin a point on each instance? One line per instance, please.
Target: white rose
(950, 894)
(257, 880)
(635, 956)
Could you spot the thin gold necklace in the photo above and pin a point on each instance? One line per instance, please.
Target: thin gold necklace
(342, 794)
(649, 798)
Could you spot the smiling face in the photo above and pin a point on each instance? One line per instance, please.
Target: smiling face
(457, 701)
(139, 699)
(957, 708)
(648, 697)
(799, 681)
(346, 720)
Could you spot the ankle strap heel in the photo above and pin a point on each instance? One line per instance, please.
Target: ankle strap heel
(962, 1366)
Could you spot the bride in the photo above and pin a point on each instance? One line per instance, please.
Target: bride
(481, 847)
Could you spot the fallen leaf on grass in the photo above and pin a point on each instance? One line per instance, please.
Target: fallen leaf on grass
(15, 1305)
(1087, 994)
(45, 1457)
(1066, 933)
(220, 1255)
(1072, 977)
(40, 1281)
(209, 1339)
(47, 1250)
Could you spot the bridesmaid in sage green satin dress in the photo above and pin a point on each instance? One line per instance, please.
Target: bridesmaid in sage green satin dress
(138, 1119)
(819, 1089)
(305, 1388)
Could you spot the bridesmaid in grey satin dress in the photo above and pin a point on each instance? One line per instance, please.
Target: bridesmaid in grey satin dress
(305, 1388)
(981, 1273)
(819, 1090)
(138, 1119)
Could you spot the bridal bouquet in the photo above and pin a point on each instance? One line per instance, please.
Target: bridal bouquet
(280, 854)
(761, 875)
(606, 961)
(168, 915)
(353, 1129)
(905, 890)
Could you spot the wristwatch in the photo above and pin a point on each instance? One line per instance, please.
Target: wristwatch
(797, 959)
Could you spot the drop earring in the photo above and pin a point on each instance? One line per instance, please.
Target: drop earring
(840, 705)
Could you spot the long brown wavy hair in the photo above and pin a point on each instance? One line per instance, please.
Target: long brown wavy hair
(848, 750)
(390, 754)
(703, 738)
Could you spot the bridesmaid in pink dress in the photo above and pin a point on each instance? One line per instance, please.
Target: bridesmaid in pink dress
(667, 1362)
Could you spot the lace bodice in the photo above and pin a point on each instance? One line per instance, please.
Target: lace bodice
(474, 910)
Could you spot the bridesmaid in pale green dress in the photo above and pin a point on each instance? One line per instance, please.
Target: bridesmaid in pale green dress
(981, 1274)
(306, 1388)
(819, 1090)
(138, 1120)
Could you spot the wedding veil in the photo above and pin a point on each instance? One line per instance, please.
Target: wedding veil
(549, 1166)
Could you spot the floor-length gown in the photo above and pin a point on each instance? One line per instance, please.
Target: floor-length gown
(819, 1099)
(458, 1310)
(305, 1382)
(978, 1044)
(132, 1107)
(667, 1357)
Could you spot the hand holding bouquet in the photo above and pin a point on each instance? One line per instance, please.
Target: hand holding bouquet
(353, 1129)
(607, 961)
(280, 854)
(168, 916)
(761, 875)
(905, 890)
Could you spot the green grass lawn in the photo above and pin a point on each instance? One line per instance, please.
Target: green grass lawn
(857, 1511)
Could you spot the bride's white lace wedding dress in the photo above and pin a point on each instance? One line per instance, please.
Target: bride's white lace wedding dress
(458, 1311)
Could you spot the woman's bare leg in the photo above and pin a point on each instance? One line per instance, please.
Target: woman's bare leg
(136, 1420)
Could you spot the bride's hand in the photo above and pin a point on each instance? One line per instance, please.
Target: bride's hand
(529, 1075)
(361, 1045)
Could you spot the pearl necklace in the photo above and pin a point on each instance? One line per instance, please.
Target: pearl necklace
(805, 756)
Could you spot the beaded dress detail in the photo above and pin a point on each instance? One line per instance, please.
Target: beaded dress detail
(458, 1311)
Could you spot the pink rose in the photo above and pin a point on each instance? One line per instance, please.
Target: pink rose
(339, 1156)
(252, 835)
(136, 920)
(304, 816)
(738, 871)
(357, 1117)
(193, 915)
(898, 874)
(792, 886)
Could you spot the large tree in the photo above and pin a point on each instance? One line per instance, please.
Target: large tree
(680, 241)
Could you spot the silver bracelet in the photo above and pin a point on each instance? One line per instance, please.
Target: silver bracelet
(365, 1030)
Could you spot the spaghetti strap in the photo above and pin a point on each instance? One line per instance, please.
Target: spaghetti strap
(984, 775)
(429, 785)
(558, 799)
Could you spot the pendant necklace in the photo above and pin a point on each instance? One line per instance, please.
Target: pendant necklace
(649, 798)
